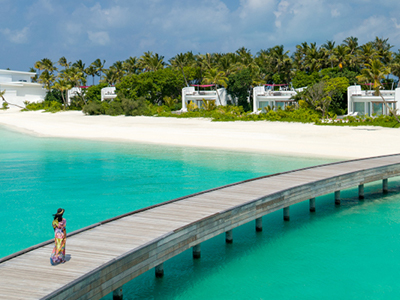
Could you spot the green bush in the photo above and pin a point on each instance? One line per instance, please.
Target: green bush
(114, 108)
(134, 107)
(93, 108)
(5, 105)
(47, 106)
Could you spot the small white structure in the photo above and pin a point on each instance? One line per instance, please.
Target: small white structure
(75, 91)
(108, 93)
(190, 94)
(361, 102)
(19, 87)
(263, 97)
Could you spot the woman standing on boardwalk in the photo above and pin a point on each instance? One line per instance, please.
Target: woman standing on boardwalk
(60, 238)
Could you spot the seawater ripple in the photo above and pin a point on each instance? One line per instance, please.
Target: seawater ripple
(347, 252)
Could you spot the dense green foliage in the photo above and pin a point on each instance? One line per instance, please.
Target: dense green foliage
(149, 85)
(47, 106)
(238, 87)
(153, 86)
(93, 93)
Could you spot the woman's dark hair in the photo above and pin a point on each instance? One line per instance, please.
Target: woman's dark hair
(59, 214)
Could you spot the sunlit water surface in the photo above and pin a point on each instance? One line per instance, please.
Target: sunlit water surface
(347, 252)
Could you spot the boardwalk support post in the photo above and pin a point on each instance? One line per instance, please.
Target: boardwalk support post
(259, 224)
(286, 213)
(361, 191)
(229, 237)
(337, 198)
(385, 187)
(312, 205)
(159, 271)
(117, 294)
(196, 251)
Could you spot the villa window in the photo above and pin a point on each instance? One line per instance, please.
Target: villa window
(359, 107)
(377, 108)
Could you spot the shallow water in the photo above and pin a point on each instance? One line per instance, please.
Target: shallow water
(346, 252)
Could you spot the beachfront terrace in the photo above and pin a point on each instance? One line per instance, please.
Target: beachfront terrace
(190, 94)
(108, 93)
(263, 98)
(360, 102)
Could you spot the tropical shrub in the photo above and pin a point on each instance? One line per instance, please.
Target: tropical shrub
(134, 107)
(93, 108)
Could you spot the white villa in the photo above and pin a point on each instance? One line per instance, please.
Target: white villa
(263, 97)
(361, 102)
(108, 93)
(190, 94)
(72, 93)
(19, 87)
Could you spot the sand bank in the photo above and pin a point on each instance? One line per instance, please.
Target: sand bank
(269, 137)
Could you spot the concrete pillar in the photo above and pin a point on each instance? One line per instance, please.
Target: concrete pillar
(337, 198)
(361, 191)
(196, 251)
(312, 205)
(385, 187)
(229, 237)
(286, 213)
(160, 270)
(117, 294)
(259, 224)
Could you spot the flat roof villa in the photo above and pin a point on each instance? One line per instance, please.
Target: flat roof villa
(361, 102)
(264, 97)
(75, 91)
(20, 88)
(189, 94)
(108, 93)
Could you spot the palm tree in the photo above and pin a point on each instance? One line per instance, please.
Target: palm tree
(329, 48)
(314, 58)
(79, 66)
(383, 47)
(91, 71)
(180, 61)
(118, 69)
(47, 79)
(109, 76)
(34, 78)
(395, 66)
(367, 53)
(63, 62)
(74, 76)
(151, 62)
(63, 86)
(213, 76)
(131, 65)
(281, 62)
(99, 66)
(342, 55)
(374, 72)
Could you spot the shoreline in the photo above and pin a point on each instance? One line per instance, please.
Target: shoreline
(278, 138)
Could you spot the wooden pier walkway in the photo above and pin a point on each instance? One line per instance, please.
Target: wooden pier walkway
(107, 255)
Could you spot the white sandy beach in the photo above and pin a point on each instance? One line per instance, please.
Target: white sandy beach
(269, 137)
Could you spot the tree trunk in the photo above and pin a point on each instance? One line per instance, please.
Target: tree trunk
(219, 99)
(184, 77)
(389, 109)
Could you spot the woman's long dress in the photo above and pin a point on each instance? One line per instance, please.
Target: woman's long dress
(60, 238)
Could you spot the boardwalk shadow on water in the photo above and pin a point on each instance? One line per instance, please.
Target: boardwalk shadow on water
(261, 265)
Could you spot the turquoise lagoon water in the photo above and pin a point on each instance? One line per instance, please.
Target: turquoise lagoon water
(347, 252)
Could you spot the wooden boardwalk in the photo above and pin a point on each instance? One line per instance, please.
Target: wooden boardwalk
(106, 255)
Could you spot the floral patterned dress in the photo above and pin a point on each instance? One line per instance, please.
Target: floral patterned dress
(60, 238)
